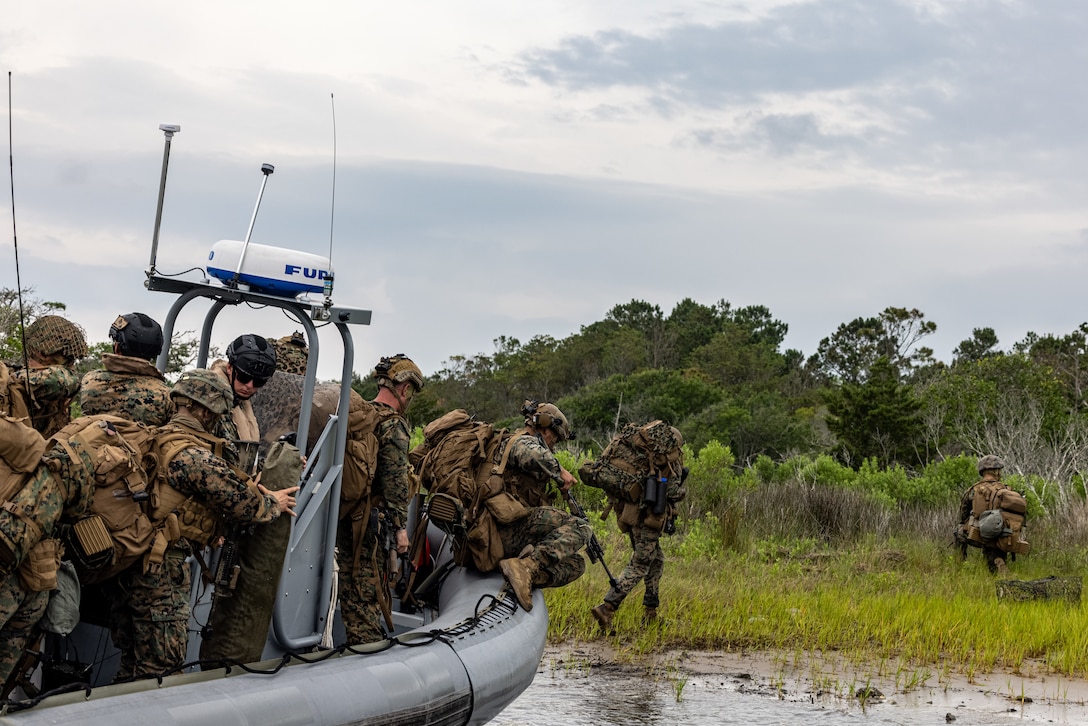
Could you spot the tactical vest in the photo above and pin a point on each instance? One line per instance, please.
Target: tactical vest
(193, 520)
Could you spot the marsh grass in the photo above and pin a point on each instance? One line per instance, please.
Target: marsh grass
(907, 608)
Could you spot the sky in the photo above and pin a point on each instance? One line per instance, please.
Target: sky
(483, 169)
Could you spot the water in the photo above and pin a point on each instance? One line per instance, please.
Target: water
(567, 696)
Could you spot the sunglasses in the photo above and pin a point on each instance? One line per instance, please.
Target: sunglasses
(245, 379)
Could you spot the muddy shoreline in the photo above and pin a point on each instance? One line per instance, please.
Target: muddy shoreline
(1032, 695)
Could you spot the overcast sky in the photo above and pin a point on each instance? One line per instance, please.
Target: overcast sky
(518, 169)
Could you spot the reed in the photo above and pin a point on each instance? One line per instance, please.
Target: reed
(907, 608)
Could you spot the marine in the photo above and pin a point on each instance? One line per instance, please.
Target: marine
(49, 382)
(150, 621)
(130, 386)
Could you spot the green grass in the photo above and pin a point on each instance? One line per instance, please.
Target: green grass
(913, 610)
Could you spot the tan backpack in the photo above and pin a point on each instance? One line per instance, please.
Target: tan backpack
(117, 531)
(998, 518)
(458, 465)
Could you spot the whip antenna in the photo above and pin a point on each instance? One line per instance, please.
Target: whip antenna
(332, 211)
(15, 240)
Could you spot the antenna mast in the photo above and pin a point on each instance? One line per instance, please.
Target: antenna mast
(332, 212)
(15, 240)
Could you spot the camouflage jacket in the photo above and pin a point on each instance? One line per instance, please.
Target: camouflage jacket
(52, 389)
(392, 481)
(530, 468)
(129, 387)
(197, 472)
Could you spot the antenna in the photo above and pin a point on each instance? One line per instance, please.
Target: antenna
(15, 242)
(267, 170)
(332, 212)
(169, 130)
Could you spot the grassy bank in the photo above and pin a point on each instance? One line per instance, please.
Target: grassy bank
(901, 604)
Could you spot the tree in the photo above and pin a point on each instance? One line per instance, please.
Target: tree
(981, 344)
(848, 354)
(878, 418)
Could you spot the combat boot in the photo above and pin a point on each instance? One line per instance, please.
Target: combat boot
(521, 573)
(650, 616)
(1000, 567)
(603, 614)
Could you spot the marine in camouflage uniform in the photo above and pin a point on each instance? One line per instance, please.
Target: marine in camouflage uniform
(53, 345)
(364, 566)
(150, 620)
(647, 563)
(989, 468)
(543, 548)
(130, 386)
(54, 492)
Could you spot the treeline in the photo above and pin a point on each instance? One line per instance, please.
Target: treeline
(871, 392)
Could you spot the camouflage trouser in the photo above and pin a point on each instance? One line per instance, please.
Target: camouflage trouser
(557, 538)
(358, 586)
(20, 611)
(149, 617)
(647, 563)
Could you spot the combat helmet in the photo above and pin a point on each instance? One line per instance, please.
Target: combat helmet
(252, 356)
(52, 334)
(137, 335)
(396, 369)
(546, 416)
(204, 387)
(990, 462)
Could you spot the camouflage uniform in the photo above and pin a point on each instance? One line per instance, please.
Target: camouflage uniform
(53, 388)
(557, 536)
(362, 588)
(52, 493)
(129, 387)
(532, 468)
(149, 622)
(992, 555)
(53, 383)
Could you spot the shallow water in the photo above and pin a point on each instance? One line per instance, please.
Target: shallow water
(563, 697)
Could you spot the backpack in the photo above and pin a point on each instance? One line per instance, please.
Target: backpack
(117, 530)
(360, 465)
(998, 516)
(13, 395)
(458, 465)
(635, 454)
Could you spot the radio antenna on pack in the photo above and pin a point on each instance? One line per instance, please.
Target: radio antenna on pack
(332, 211)
(15, 240)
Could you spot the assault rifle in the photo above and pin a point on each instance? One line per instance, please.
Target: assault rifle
(594, 548)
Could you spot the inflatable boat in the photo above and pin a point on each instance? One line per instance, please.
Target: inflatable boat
(460, 654)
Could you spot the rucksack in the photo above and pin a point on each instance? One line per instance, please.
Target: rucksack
(360, 465)
(998, 516)
(458, 465)
(634, 454)
(117, 530)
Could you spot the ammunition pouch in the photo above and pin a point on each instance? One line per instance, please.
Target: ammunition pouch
(90, 542)
(448, 514)
(505, 508)
(38, 572)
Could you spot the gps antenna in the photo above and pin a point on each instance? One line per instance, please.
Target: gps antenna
(169, 130)
(267, 170)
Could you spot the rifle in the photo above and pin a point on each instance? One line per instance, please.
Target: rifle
(594, 548)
